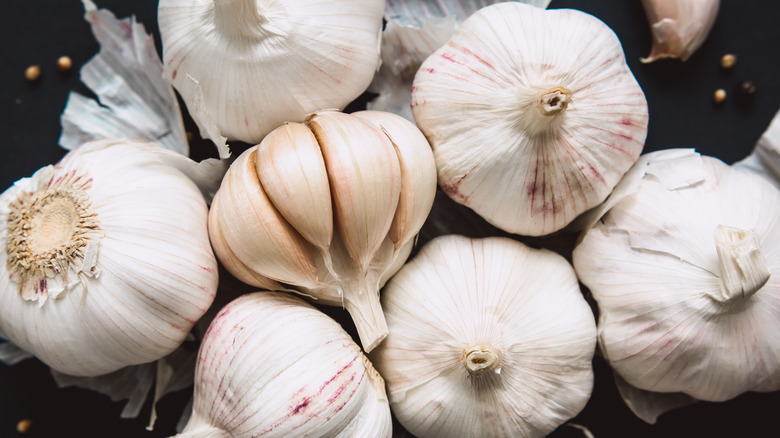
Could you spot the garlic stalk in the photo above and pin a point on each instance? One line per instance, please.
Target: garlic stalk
(488, 338)
(271, 365)
(250, 65)
(106, 259)
(685, 267)
(679, 27)
(329, 208)
(533, 115)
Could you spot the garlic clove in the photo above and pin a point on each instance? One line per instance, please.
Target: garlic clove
(418, 173)
(679, 27)
(292, 171)
(256, 232)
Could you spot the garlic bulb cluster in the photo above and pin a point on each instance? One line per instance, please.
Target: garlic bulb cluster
(271, 365)
(488, 338)
(329, 207)
(685, 268)
(106, 259)
(533, 115)
(250, 65)
(679, 27)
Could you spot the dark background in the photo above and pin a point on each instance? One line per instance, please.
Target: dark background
(682, 114)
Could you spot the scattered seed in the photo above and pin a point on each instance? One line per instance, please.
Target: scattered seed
(32, 73)
(64, 64)
(719, 95)
(23, 426)
(728, 60)
(746, 89)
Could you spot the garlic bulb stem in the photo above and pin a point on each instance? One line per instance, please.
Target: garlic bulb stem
(542, 107)
(554, 100)
(743, 269)
(239, 18)
(481, 358)
(366, 311)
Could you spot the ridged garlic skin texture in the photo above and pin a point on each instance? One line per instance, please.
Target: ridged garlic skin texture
(270, 365)
(512, 314)
(260, 63)
(128, 265)
(533, 115)
(668, 322)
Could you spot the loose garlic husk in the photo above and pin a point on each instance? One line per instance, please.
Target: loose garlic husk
(271, 365)
(329, 207)
(488, 338)
(679, 27)
(533, 115)
(106, 259)
(251, 65)
(685, 268)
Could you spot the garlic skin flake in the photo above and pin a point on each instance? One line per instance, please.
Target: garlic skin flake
(260, 63)
(488, 338)
(106, 259)
(679, 27)
(533, 115)
(271, 365)
(328, 208)
(685, 268)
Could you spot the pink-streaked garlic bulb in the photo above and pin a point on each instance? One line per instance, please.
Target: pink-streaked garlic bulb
(679, 27)
(533, 115)
(271, 365)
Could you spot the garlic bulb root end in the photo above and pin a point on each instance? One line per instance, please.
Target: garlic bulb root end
(479, 359)
(743, 269)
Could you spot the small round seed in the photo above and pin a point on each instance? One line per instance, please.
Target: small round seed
(64, 64)
(32, 73)
(719, 95)
(728, 60)
(746, 89)
(23, 426)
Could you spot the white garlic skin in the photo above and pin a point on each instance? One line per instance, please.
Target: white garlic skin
(149, 272)
(512, 315)
(533, 115)
(260, 63)
(679, 27)
(271, 365)
(653, 267)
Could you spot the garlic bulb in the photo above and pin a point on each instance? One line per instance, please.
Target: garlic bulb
(488, 338)
(329, 207)
(271, 365)
(106, 259)
(679, 27)
(685, 268)
(251, 65)
(533, 115)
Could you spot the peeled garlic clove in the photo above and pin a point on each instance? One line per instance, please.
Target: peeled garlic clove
(533, 115)
(106, 261)
(482, 332)
(684, 269)
(271, 365)
(679, 27)
(260, 63)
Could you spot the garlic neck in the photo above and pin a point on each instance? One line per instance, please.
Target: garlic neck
(480, 358)
(743, 270)
(238, 18)
(543, 109)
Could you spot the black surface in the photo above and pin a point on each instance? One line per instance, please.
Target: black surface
(682, 114)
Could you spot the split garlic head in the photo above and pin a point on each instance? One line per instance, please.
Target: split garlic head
(679, 27)
(488, 338)
(250, 65)
(685, 268)
(533, 115)
(328, 207)
(106, 259)
(271, 365)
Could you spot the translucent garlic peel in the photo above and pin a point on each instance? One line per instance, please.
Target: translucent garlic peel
(653, 265)
(275, 61)
(328, 208)
(271, 365)
(525, 168)
(132, 287)
(679, 27)
(482, 333)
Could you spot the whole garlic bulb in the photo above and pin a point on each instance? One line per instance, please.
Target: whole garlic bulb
(271, 365)
(679, 27)
(329, 207)
(251, 65)
(488, 338)
(106, 259)
(533, 115)
(685, 268)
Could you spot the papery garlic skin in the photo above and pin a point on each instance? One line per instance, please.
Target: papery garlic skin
(679, 27)
(488, 338)
(124, 265)
(685, 268)
(271, 365)
(329, 208)
(260, 63)
(533, 115)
